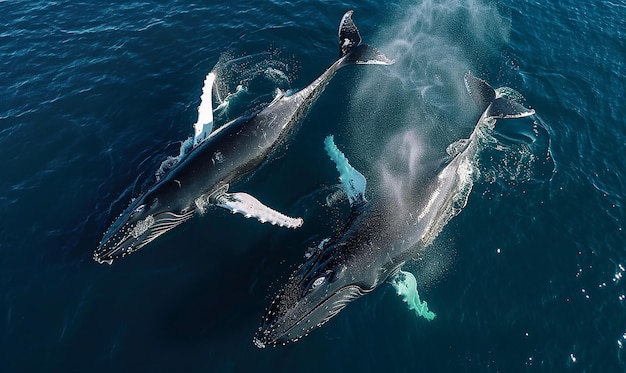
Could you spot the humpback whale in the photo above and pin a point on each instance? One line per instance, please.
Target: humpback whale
(371, 247)
(223, 157)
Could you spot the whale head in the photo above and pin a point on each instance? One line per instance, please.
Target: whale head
(144, 220)
(318, 290)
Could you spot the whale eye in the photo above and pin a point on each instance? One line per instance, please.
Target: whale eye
(318, 282)
(327, 276)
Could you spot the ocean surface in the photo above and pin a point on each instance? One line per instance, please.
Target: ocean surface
(95, 95)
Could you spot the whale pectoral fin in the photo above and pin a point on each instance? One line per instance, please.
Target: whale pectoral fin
(352, 180)
(406, 287)
(251, 207)
(204, 125)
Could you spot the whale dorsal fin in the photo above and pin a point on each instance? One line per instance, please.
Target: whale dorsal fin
(352, 180)
(204, 124)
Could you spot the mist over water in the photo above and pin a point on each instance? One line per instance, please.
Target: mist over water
(245, 84)
(434, 43)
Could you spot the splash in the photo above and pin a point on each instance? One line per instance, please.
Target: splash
(467, 173)
(171, 161)
(519, 153)
(233, 81)
(244, 84)
(406, 286)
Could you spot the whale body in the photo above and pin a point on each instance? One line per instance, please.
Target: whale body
(370, 248)
(220, 158)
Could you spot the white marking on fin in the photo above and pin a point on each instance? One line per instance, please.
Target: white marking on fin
(204, 125)
(251, 207)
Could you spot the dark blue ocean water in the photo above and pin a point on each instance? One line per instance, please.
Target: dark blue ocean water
(528, 277)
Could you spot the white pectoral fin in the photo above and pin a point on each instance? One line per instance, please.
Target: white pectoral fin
(251, 207)
(406, 287)
(204, 125)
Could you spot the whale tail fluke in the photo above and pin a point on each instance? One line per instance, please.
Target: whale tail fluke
(492, 103)
(504, 108)
(351, 48)
(480, 91)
